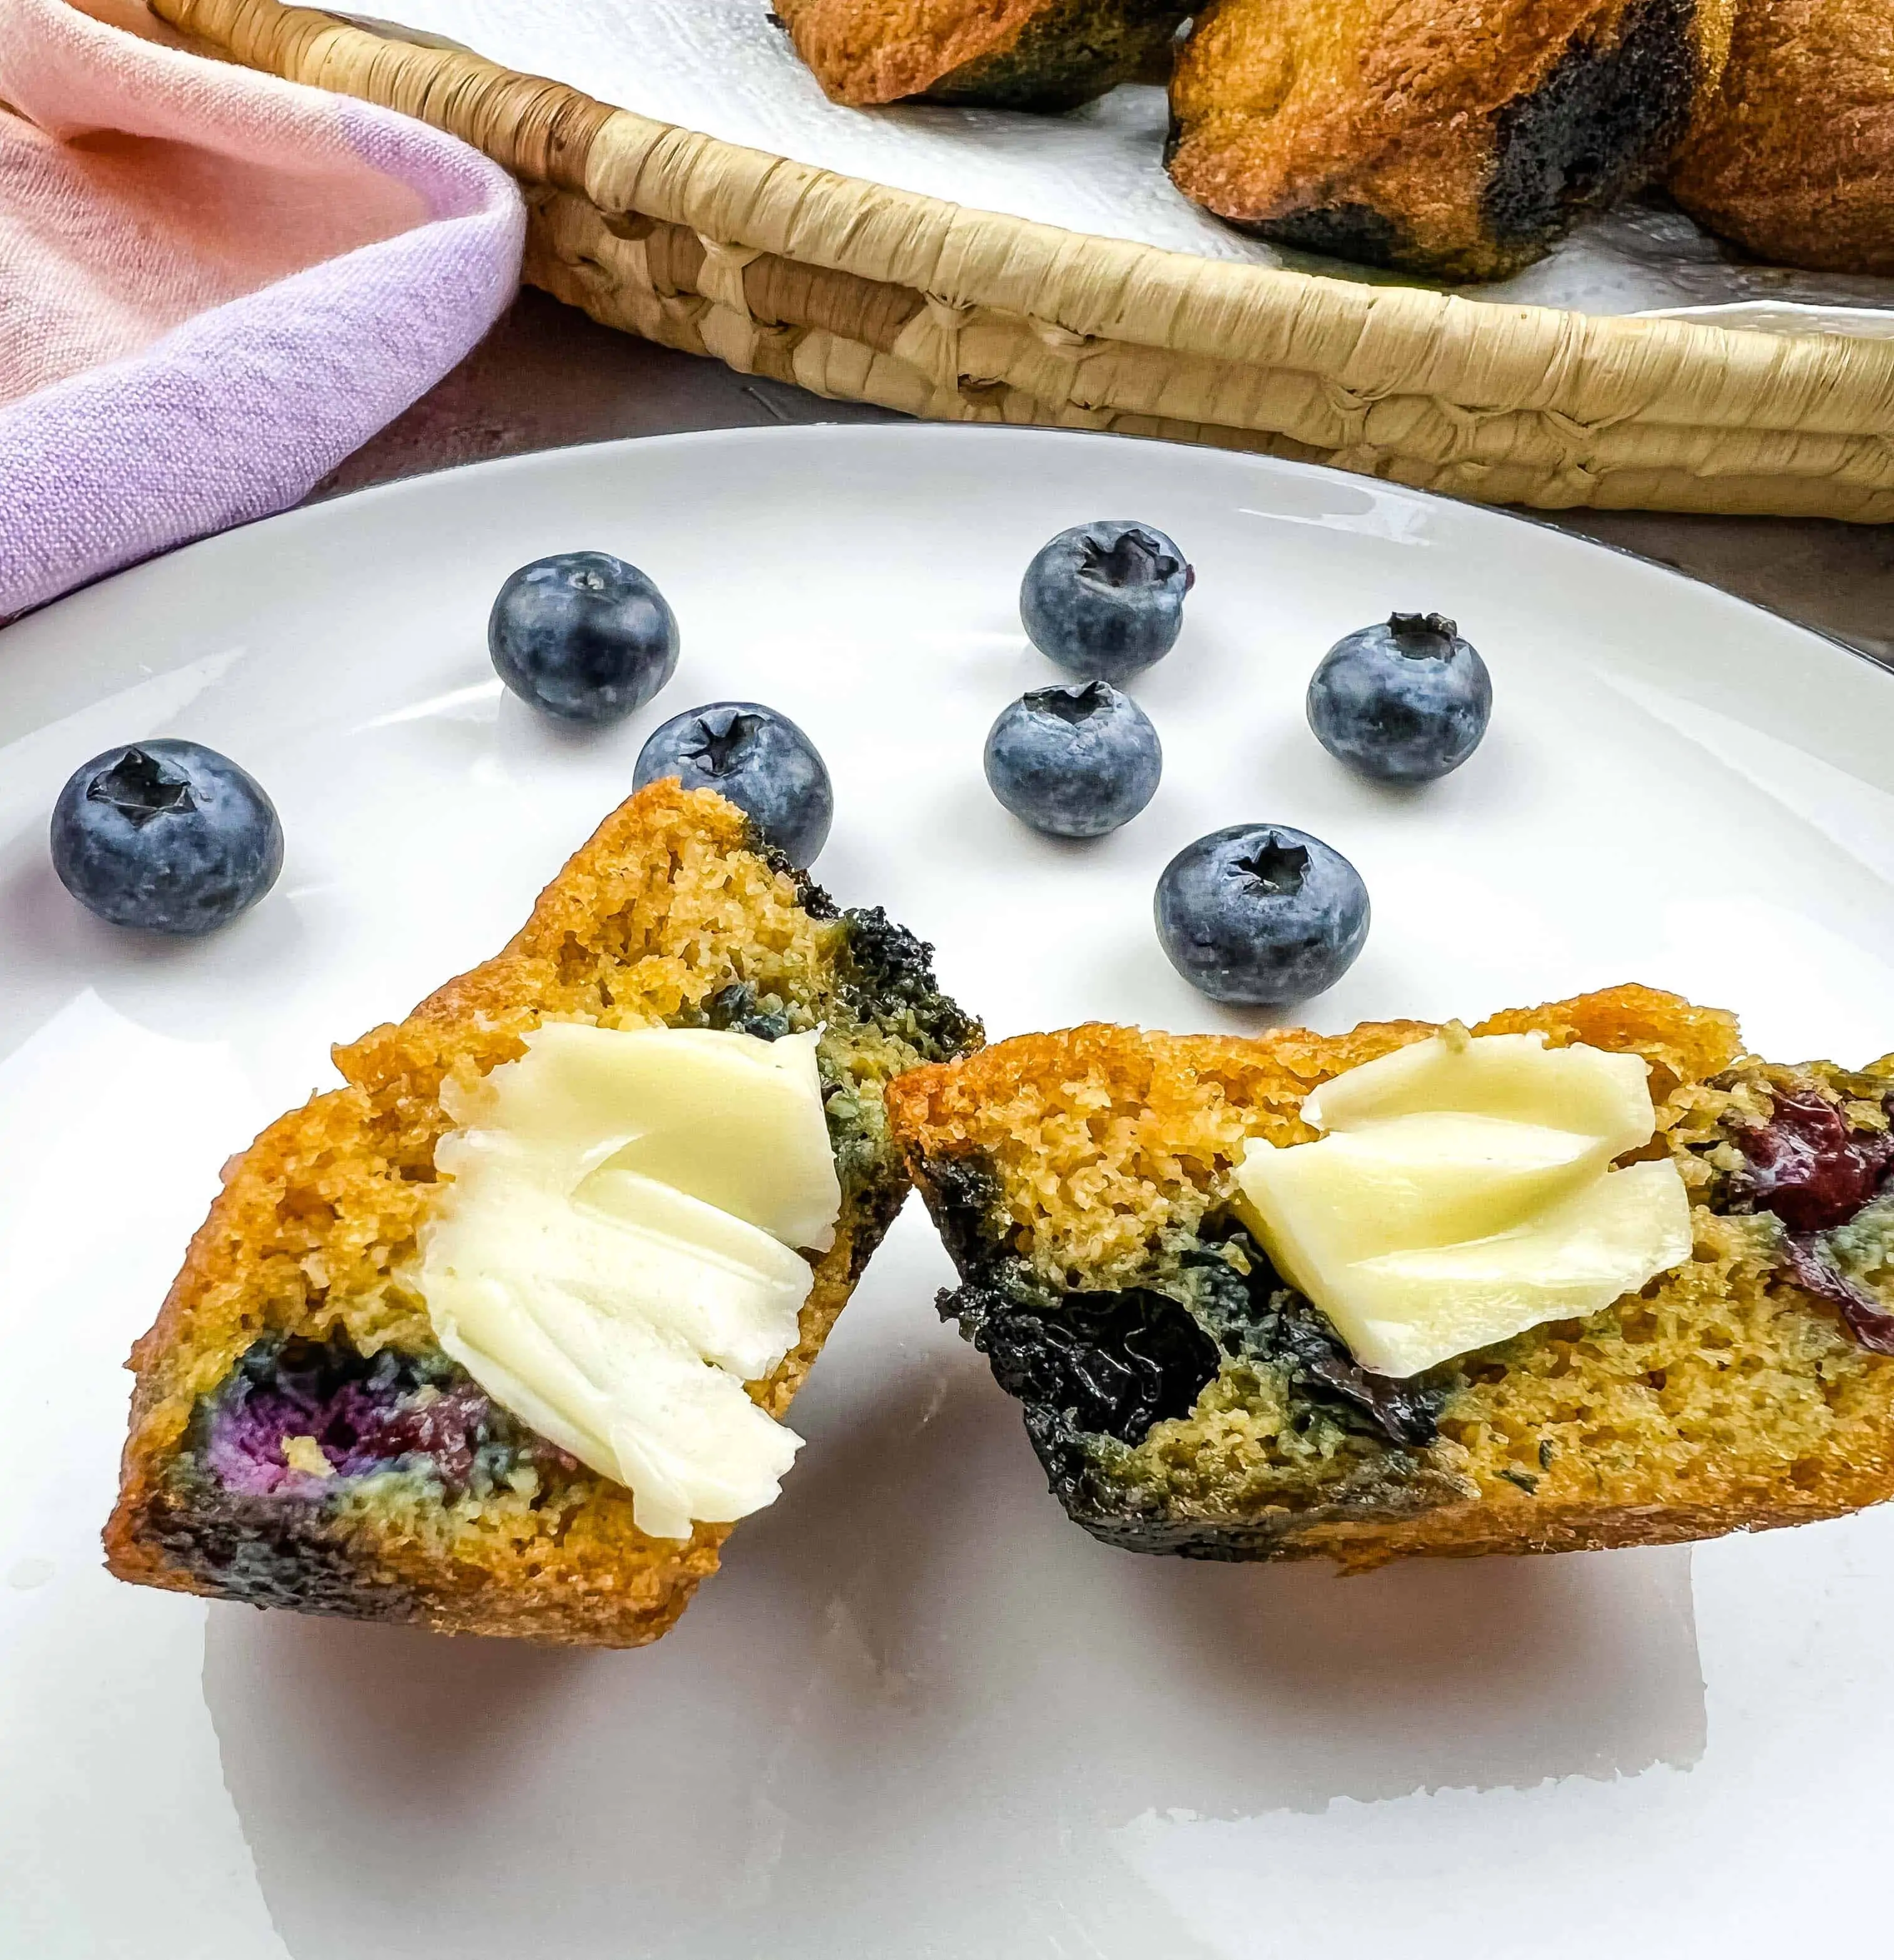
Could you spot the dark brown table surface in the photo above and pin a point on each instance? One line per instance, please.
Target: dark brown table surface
(547, 377)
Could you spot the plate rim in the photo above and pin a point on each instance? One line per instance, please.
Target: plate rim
(847, 433)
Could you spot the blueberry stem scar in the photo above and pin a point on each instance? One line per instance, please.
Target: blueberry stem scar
(1417, 636)
(142, 787)
(718, 748)
(1277, 867)
(1135, 559)
(1072, 704)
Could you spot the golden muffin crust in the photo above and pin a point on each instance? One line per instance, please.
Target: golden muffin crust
(1454, 138)
(1793, 156)
(1096, 1167)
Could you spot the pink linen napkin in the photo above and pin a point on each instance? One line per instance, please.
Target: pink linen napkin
(214, 285)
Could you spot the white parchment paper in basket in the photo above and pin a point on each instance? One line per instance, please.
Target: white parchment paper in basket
(721, 67)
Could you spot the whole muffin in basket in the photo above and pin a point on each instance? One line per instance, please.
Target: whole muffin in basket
(1046, 54)
(1456, 140)
(1794, 156)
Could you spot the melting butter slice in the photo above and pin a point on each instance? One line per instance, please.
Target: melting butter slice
(616, 1254)
(1464, 1193)
(1591, 1092)
(729, 1119)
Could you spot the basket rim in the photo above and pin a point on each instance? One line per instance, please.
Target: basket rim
(858, 291)
(229, 24)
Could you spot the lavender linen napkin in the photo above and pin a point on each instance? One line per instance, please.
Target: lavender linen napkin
(214, 285)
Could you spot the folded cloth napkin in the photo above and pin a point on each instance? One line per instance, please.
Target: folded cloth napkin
(214, 285)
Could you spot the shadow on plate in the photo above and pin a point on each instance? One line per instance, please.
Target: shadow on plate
(176, 987)
(916, 1696)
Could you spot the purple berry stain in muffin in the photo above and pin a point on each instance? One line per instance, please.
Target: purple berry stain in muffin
(294, 1417)
(1810, 1166)
(1830, 1182)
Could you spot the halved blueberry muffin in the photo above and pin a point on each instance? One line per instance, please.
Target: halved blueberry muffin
(1458, 141)
(1708, 1312)
(1045, 55)
(492, 1337)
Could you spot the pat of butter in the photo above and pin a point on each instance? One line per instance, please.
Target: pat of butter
(1464, 1194)
(616, 1255)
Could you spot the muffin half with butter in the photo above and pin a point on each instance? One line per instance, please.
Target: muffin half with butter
(498, 1336)
(1584, 1275)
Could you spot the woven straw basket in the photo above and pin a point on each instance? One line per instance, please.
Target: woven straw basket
(857, 291)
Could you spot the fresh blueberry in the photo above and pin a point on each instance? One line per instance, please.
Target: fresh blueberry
(583, 636)
(1261, 915)
(1074, 761)
(1405, 702)
(1105, 600)
(758, 758)
(167, 836)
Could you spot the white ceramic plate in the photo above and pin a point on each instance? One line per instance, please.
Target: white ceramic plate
(919, 1712)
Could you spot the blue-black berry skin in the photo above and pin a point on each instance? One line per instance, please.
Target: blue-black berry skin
(1404, 702)
(1074, 761)
(166, 836)
(1105, 600)
(1261, 915)
(757, 758)
(582, 636)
